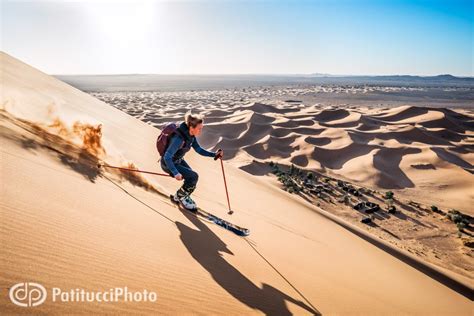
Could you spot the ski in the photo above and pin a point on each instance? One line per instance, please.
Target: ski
(240, 231)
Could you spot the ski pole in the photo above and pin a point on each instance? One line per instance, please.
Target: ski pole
(133, 170)
(226, 191)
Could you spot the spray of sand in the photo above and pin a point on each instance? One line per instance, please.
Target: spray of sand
(135, 178)
(91, 141)
(79, 145)
(90, 135)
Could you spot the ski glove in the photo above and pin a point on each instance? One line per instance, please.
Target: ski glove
(219, 154)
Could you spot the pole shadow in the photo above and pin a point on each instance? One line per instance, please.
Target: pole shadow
(205, 247)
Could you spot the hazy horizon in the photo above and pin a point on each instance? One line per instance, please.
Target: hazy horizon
(261, 74)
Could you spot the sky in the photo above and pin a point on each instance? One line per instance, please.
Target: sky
(358, 37)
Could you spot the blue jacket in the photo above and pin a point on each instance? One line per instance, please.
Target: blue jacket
(179, 144)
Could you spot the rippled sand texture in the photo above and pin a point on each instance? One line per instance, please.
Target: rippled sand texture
(420, 150)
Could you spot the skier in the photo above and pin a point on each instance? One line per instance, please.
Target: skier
(173, 143)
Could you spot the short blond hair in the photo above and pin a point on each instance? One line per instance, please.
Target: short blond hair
(193, 119)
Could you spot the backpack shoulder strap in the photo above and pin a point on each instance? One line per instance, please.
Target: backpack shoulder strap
(180, 134)
(185, 136)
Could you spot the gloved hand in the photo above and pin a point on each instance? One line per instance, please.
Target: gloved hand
(219, 154)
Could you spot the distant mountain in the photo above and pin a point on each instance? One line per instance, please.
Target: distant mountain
(397, 80)
(321, 75)
(153, 82)
(395, 77)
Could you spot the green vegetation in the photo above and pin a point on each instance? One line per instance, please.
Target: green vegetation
(290, 179)
(388, 195)
(327, 189)
(346, 199)
(461, 220)
(461, 226)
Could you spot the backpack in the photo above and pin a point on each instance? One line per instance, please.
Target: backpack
(165, 136)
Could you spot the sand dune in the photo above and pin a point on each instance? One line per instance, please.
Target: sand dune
(346, 135)
(423, 154)
(67, 224)
(339, 136)
(331, 115)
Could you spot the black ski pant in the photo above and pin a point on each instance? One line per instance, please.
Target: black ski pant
(190, 176)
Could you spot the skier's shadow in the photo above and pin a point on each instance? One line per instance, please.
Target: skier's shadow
(204, 246)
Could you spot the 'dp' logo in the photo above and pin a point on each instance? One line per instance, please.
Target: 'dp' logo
(28, 294)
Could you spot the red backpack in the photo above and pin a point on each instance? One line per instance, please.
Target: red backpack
(164, 137)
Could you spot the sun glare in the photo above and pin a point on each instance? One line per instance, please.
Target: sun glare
(122, 20)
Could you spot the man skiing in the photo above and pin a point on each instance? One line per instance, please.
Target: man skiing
(178, 142)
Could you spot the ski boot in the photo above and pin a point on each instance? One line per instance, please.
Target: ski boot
(186, 202)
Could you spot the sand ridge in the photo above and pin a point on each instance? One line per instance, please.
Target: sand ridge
(335, 137)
